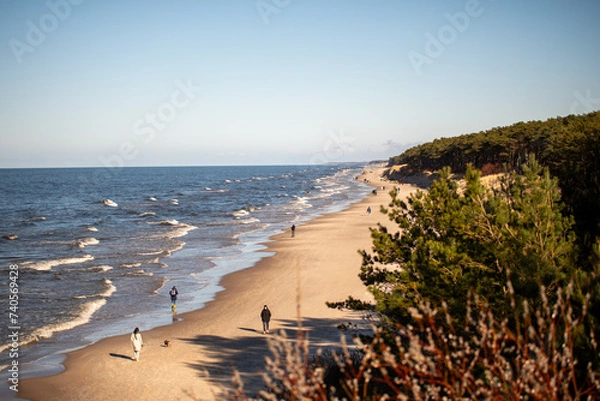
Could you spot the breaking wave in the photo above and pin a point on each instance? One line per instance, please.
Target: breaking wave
(49, 264)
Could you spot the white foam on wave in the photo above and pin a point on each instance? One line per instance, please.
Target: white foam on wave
(90, 228)
(168, 222)
(243, 211)
(100, 268)
(110, 203)
(167, 253)
(302, 201)
(154, 261)
(83, 242)
(257, 228)
(49, 264)
(240, 213)
(36, 218)
(109, 290)
(140, 272)
(160, 286)
(154, 253)
(174, 202)
(152, 199)
(179, 229)
(250, 220)
(130, 265)
(144, 214)
(86, 312)
(326, 193)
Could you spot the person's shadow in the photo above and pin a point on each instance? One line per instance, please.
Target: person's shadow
(121, 356)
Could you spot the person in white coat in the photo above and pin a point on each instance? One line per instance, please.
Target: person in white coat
(137, 343)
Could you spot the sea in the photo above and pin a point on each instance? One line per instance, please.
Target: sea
(88, 253)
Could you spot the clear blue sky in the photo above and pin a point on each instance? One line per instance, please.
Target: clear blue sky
(191, 82)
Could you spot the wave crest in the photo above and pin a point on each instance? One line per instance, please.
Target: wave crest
(83, 242)
(49, 264)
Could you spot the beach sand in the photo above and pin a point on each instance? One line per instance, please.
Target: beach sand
(320, 263)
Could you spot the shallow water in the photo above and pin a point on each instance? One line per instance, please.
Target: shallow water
(98, 249)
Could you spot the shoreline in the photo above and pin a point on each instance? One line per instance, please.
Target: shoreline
(207, 343)
(194, 266)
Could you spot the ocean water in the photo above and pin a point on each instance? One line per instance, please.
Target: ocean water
(97, 250)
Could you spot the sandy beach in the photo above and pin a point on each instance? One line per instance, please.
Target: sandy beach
(320, 263)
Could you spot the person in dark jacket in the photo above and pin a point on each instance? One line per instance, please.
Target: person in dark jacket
(173, 293)
(265, 316)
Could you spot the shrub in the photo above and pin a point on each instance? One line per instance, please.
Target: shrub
(429, 361)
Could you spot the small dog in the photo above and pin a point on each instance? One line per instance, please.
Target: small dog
(167, 343)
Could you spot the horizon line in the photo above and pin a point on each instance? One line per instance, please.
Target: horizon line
(196, 165)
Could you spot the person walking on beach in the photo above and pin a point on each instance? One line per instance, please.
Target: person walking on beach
(293, 230)
(137, 343)
(369, 210)
(173, 293)
(265, 316)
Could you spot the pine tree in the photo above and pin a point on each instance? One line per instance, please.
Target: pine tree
(451, 240)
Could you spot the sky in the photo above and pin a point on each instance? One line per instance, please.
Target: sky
(90, 83)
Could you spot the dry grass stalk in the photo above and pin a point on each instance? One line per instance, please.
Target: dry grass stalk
(429, 361)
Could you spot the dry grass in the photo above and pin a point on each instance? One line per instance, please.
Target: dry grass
(532, 360)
